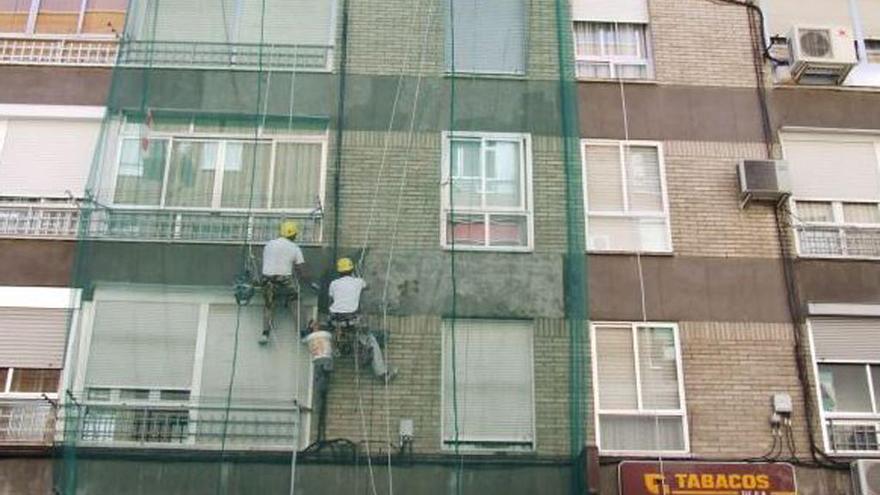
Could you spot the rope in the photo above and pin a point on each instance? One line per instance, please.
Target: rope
(357, 384)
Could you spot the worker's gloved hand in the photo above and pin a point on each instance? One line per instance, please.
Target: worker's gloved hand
(315, 286)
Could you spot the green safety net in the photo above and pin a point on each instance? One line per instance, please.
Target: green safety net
(434, 142)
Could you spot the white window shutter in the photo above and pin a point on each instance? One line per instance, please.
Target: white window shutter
(278, 373)
(287, 22)
(32, 337)
(615, 365)
(489, 37)
(781, 15)
(492, 400)
(46, 158)
(142, 344)
(833, 167)
(604, 178)
(610, 10)
(869, 11)
(850, 339)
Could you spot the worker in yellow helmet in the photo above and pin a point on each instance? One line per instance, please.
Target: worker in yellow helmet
(282, 257)
(345, 294)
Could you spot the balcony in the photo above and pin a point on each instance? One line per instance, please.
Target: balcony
(825, 241)
(29, 50)
(207, 55)
(852, 436)
(26, 422)
(51, 221)
(205, 426)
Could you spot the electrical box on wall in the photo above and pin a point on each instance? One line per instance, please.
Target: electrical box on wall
(782, 404)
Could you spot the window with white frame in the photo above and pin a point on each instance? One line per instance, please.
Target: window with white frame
(835, 193)
(21, 382)
(626, 200)
(486, 192)
(847, 358)
(204, 171)
(638, 388)
(488, 385)
(63, 17)
(612, 50)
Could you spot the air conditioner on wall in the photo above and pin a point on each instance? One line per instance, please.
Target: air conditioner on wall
(866, 476)
(763, 180)
(821, 55)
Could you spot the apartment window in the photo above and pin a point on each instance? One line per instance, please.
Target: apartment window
(626, 201)
(488, 396)
(214, 172)
(29, 381)
(486, 191)
(873, 51)
(486, 37)
(847, 356)
(638, 390)
(612, 50)
(136, 415)
(836, 193)
(66, 17)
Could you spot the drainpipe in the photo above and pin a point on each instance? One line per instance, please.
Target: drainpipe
(858, 33)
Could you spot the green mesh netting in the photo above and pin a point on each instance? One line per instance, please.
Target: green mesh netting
(434, 142)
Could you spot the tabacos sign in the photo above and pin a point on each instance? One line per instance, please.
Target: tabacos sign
(698, 478)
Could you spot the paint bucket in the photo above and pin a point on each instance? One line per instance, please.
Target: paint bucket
(320, 346)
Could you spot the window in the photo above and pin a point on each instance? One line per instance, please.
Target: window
(487, 180)
(638, 391)
(179, 171)
(612, 50)
(488, 398)
(873, 50)
(29, 381)
(94, 17)
(486, 37)
(136, 415)
(836, 193)
(847, 355)
(625, 197)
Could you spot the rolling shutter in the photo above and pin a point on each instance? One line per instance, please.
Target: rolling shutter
(288, 22)
(142, 344)
(46, 158)
(490, 37)
(32, 337)
(869, 11)
(276, 372)
(493, 398)
(856, 339)
(610, 10)
(781, 15)
(833, 167)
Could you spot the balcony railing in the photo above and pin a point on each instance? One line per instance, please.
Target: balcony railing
(853, 436)
(39, 220)
(838, 241)
(64, 222)
(242, 427)
(26, 422)
(204, 55)
(25, 50)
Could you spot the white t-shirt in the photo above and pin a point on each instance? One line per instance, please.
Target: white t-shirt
(280, 255)
(346, 294)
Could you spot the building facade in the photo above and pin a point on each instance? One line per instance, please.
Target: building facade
(543, 197)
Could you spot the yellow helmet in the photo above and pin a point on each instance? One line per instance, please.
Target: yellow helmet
(344, 265)
(289, 228)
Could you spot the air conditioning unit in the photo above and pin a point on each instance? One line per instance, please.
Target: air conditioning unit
(821, 55)
(866, 476)
(763, 180)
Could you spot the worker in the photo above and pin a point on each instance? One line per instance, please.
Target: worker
(345, 293)
(282, 257)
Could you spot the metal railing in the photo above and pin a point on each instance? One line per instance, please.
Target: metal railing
(195, 226)
(39, 220)
(838, 241)
(26, 422)
(23, 50)
(853, 435)
(187, 54)
(211, 426)
(63, 222)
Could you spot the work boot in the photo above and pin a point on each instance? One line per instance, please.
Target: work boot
(264, 337)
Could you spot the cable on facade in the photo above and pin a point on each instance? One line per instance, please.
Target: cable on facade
(764, 47)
